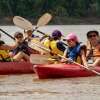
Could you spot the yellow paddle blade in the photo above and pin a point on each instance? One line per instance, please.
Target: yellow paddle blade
(22, 23)
(43, 20)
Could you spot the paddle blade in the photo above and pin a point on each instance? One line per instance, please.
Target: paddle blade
(22, 23)
(43, 20)
(38, 46)
(39, 59)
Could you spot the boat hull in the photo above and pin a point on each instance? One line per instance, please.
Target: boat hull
(62, 70)
(15, 68)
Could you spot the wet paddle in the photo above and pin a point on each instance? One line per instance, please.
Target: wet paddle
(97, 73)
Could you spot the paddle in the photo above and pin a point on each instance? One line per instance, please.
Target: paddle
(7, 34)
(22, 23)
(97, 73)
(26, 25)
(38, 46)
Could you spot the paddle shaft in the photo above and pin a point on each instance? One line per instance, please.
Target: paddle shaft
(7, 34)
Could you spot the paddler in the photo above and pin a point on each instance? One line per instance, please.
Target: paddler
(75, 50)
(54, 43)
(29, 35)
(4, 50)
(93, 48)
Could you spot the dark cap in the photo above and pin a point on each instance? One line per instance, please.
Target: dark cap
(17, 33)
(56, 33)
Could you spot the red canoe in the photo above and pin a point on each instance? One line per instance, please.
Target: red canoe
(62, 70)
(15, 68)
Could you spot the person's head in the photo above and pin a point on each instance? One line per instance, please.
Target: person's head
(72, 39)
(18, 36)
(93, 36)
(29, 32)
(56, 34)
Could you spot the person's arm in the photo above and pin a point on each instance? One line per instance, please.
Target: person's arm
(83, 57)
(64, 55)
(8, 47)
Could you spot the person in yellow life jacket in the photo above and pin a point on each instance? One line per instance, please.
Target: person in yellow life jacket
(75, 51)
(4, 48)
(4, 54)
(93, 49)
(54, 43)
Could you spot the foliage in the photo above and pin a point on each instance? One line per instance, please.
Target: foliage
(35, 8)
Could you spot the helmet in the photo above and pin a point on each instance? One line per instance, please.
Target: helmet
(72, 36)
(56, 34)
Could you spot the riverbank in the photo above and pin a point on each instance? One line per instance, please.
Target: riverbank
(58, 20)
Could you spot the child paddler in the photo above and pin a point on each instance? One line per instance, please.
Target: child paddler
(55, 44)
(75, 51)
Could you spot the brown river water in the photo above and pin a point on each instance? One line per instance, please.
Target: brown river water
(29, 87)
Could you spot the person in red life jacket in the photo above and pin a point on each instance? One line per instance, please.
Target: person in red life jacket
(75, 51)
(93, 49)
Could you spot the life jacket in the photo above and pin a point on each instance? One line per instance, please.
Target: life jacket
(4, 54)
(74, 53)
(46, 43)
(54, 48)
(92, 52)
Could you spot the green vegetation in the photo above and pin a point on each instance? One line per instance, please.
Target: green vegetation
(64, 11)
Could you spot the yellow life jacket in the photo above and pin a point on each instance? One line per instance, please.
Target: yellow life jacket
(4, 55)
(52, 45)
(78, 59)
(54, 49)
(46, 43)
